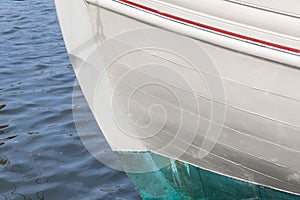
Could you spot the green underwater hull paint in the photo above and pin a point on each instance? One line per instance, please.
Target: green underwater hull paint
(179, 180)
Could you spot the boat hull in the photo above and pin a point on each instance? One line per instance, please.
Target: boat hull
(220, 112)
(180, 180)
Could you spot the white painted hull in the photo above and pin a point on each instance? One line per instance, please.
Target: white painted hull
(259, 105)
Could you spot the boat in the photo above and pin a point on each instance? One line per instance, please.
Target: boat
(196, 99)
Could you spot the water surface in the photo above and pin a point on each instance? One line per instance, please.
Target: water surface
(41, 155)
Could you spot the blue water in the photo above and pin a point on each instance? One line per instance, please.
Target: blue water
(41, 155)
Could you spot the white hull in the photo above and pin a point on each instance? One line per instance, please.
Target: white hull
(256, 133)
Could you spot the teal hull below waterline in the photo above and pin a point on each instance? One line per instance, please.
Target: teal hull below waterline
(179, 180)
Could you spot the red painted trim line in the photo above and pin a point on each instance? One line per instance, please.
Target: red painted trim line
(211, 28)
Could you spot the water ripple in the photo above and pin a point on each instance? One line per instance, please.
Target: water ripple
(41, 155)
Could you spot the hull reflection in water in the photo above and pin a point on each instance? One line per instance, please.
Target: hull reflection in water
(199, 100)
